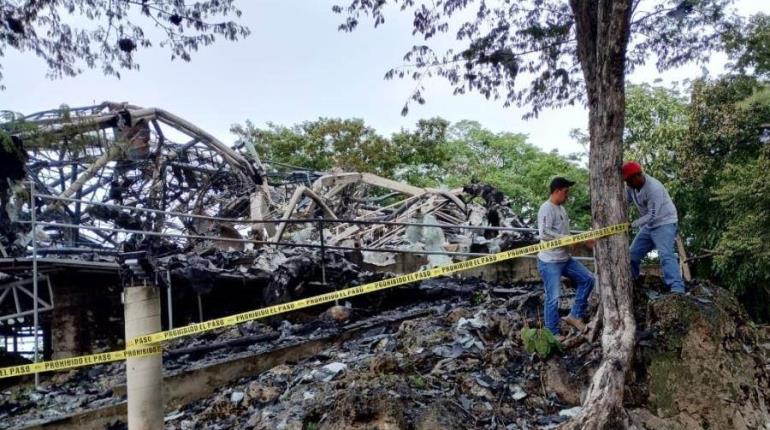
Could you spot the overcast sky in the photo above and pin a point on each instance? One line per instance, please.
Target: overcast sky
(296, 66)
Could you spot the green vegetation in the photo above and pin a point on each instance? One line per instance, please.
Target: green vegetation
(417, 381)
(540, 341)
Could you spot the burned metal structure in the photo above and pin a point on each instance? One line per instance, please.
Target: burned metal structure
(101, 197)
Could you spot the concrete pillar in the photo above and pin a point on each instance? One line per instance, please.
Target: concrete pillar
(69, 328)
(143, 374)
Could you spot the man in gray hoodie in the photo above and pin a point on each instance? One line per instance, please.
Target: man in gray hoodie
(657, 224)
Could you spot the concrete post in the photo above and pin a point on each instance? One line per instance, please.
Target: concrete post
(143, 374)
(70, 335)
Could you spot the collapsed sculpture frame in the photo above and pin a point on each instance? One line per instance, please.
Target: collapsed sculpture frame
(116, 177)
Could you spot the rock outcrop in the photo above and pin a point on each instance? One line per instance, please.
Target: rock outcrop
(701, 364)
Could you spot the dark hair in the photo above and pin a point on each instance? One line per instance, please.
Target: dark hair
(560, 182)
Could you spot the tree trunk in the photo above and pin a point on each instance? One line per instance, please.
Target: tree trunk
(602, 28)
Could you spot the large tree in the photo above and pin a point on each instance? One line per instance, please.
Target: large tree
(567, 52)
(71, 34)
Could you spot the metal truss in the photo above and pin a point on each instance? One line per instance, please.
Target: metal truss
(18, 301)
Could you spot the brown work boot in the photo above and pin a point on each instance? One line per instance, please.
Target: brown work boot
(575, 322)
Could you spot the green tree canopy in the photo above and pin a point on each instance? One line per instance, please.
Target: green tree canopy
(656, 125)
(723, 184)
(351, 145)
(519, 169)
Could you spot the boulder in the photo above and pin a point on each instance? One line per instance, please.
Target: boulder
(700, 365)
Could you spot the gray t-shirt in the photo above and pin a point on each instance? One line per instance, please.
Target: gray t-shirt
(655, 205)
(552, 223)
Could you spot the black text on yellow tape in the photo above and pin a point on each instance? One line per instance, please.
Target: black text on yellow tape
(372, 287)
(83, 360)
(149, 344)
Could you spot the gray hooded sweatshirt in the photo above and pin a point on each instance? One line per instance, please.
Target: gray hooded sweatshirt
(655, 205)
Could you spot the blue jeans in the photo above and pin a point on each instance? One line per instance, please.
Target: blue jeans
(551, 274)
(661, 238)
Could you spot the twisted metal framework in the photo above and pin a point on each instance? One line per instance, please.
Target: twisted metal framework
(144, 158)
(101, 179)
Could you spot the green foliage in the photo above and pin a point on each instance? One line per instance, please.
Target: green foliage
(478, 298)
(422, 153)
(749, 45)
(726, 160)
(6, 144)
(743, 248)
(519, 169)
(417, 381)
(760, 97)
(540, 341)
(351, 145)
(12, 123)
(656, 124)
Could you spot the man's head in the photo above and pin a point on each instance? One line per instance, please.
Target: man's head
(632, 174)
(560, 189)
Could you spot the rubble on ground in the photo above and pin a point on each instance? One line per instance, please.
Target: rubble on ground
(461, 365)
(87, 388)
(466, 367)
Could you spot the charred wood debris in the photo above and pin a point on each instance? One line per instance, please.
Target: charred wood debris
(452, 359)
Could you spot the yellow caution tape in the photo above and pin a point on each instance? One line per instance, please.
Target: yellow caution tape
(83, 360)
(133, 346)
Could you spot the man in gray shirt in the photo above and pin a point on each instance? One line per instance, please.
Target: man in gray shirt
(553, 223)
(657, 224)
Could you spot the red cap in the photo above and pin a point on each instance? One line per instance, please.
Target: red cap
(630, 168)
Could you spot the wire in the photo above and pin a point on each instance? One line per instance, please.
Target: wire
(294, 220)
(256, 242)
